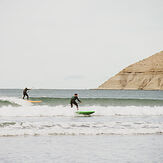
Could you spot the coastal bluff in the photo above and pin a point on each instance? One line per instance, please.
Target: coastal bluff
(146, 74)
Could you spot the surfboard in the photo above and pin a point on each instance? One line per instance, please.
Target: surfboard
(33, 101)
(85, 112)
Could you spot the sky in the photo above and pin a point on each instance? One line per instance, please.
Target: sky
(75, 44)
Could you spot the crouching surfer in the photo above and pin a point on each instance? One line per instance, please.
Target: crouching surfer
(73, 101)
(25, 93)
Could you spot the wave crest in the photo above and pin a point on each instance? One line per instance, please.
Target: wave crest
(79, 128)
(49, 111)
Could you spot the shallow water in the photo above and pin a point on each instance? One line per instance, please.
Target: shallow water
(82, 149)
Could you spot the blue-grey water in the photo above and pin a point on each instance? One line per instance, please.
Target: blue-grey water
(127, 126)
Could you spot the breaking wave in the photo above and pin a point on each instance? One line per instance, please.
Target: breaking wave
(51, 111)
(15, 101)
(79, 128)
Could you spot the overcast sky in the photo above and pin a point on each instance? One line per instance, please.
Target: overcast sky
(75, 43)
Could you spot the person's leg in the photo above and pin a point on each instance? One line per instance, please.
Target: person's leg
(27, 96)
(23, 96)
(71, 104)
(76, 105)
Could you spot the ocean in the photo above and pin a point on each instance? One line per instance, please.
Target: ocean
(127, 126)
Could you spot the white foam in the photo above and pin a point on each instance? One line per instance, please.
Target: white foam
(80, 128)
(35, 111)
(14, 126)
(129, 110)
(49, 111)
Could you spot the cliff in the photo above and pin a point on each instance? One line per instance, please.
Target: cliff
(144, 75)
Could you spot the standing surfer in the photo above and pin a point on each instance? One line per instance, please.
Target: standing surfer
(25, 93)
(73, 101)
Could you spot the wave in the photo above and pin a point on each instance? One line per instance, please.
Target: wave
(79, 128)
(14, 101)
(47, 111)
(21, 118)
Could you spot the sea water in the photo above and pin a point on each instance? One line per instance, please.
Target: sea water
(127, 126)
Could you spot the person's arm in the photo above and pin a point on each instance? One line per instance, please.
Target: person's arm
(78, 99)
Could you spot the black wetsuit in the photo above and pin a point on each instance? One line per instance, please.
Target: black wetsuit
(25, 93)
(73, 101)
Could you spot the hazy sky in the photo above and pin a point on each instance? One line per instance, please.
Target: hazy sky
(75, 43)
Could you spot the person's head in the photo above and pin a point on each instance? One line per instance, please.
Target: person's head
(75, 94)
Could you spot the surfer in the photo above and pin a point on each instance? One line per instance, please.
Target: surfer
(73, 101)
(25, 93)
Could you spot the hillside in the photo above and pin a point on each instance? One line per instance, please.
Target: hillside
(144, 75)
